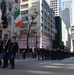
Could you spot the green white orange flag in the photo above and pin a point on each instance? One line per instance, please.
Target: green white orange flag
(17, 18)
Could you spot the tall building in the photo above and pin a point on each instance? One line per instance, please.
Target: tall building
(67, 17)
(61, 37)
(44, 23)
(56, 6)
(64, 10)
(67, 12)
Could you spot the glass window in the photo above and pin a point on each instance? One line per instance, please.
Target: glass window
(25, 18)
(24, 12)
(34, 4)
(24, 6)
(34, 23)
(24, 0)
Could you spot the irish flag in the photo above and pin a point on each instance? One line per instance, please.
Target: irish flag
(17, 18)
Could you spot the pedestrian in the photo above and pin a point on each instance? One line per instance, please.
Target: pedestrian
(24, 54)
(33, 52)
(5, 53)
(38, 53)
(43, 53)
(0, 50)
(13, 50)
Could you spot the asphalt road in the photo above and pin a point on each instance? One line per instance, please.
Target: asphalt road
(35, 67)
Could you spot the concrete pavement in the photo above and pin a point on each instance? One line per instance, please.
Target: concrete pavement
(34, 67)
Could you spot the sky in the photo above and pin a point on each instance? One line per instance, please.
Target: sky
(72, 9)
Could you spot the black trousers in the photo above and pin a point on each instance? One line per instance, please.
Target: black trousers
(5, 59)
(12, 59)
(0, 62)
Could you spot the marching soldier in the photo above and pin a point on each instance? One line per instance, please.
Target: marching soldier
(13, 50)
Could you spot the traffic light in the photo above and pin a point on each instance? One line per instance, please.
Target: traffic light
(4, 26)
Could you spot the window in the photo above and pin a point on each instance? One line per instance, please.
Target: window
(16, 1)
(24, 6)
(24, 25)
(34, 10)
(24, 12)
(34, 4)
(24, 0)
(34, 23)
(25, 18)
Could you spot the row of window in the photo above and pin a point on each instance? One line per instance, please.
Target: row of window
(25, 25)
(26, 5)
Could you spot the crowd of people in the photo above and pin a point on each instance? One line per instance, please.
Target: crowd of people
(8, 50)
(46, 54)
(41, 53)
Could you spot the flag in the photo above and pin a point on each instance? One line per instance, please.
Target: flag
(17, 18)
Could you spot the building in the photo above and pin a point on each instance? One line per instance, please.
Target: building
(61, 37)
(72, 38)
(43, 27)
(67, 17)
(64, 10)
(67, 8)
(56, 6)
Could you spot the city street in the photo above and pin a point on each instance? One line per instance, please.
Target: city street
(45, 67)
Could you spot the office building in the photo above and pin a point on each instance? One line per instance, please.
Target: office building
(44, 24)
(56, 6)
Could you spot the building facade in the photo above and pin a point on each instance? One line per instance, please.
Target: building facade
(44, 24)
(56, 6)
(67, 18)
(42, 31)
(61, 37)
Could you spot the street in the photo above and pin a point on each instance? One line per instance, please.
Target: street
(41, 67)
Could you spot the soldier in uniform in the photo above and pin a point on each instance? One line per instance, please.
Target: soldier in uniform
(13, 50)
(5, 45)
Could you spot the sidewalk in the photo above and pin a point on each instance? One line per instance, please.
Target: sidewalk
(20, 58)
(26, 59)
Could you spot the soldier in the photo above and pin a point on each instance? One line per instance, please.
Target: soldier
(5, 45)
(13, 50)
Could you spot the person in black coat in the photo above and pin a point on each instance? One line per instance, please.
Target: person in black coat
(0, 49)
(13, 50)
(5, 47)
(39, 53)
